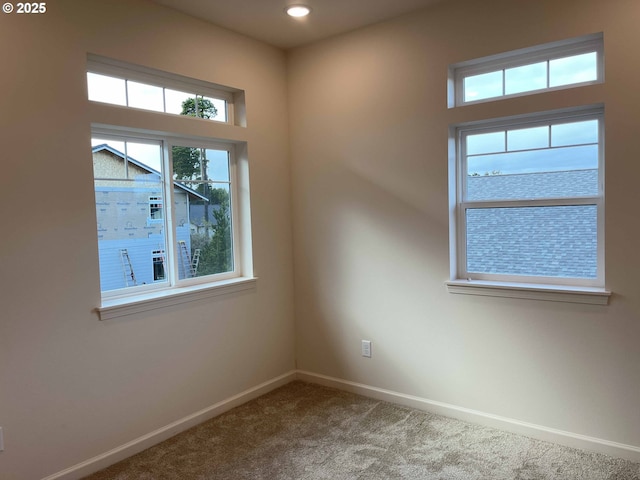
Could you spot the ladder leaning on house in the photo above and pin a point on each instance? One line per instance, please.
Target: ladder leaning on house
(195, 261)
(127, 268)
(187, 261)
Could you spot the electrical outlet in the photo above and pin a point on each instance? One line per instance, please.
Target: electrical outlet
(366, 348)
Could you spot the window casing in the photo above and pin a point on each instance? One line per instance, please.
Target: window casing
(530, 200)
(172, 210)
(526, 192)
(198, 234)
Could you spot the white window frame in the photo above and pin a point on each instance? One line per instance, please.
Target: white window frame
(172, 257)
(463, 204)
(573, 290)
(235, 211)
(157, 78)
(112, 121)
(522, 57)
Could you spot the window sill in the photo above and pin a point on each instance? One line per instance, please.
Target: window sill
(554, 293)
(125, 306)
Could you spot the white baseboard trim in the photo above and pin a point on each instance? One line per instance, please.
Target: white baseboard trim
(142, 443)
(574, 440)
(569, 439)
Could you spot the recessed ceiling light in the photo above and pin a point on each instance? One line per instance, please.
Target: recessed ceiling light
(298, 10)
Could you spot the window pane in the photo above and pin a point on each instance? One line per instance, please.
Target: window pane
(486, 85)
(220, 107)
(207, 243)
(485, 143)
(102, 167)
(129, 212)
(148, 155)
(187, 165)
(574, 133)
(553, 173)
(528, 138)
(549, 160)
(106, 89)
(174, 100)
(145, 96)
(159, 265)
(558, 241)
(156, 208)
(575, 69)
(525, 78)
(206, 107)
(217, 165)
(563, 184)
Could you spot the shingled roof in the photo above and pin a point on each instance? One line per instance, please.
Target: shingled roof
(558, 241)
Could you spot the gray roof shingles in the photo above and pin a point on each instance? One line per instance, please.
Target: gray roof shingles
(559, 241)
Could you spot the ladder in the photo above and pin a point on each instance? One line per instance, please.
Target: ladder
(195, 261)
(186, 262)
(127, 268)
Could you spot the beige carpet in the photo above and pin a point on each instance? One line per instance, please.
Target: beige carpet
(307, 432)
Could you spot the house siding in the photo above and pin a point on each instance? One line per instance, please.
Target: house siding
(124, 221)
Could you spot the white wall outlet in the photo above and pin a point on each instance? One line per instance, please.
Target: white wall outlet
(1, 440)
(366, 348)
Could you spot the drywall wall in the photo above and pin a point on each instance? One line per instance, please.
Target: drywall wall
(369, 131)
(71, 386)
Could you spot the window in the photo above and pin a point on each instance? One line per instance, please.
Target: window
(172, 210)
(548, 67)
(527, 191)
(158, 265)
(133, 179)
(155, 209)
(134, 86)
(530, 200)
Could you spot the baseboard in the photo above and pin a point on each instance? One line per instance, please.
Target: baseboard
(142, 443)
(574, 440)
(569, 439)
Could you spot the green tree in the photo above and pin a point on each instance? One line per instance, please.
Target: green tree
(199, 107)
(190, 163)
(187, 160)
(217, 254)
(186, 163)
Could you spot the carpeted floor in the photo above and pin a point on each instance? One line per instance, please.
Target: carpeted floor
(308, 432)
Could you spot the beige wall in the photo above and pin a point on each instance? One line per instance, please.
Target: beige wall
(72, 387)
(367, 130)
(369, 126)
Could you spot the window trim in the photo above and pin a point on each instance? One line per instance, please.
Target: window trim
(522, 57)
(554, 293)
(515, 286)
(130, 300)
(159, 299)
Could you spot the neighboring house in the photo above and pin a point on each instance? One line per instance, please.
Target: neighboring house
(558, 241)
(130, 217)
(202, 221)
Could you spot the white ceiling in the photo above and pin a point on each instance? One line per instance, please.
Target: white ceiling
(265, 20)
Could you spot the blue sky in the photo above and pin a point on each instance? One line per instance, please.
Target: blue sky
(536, 76)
